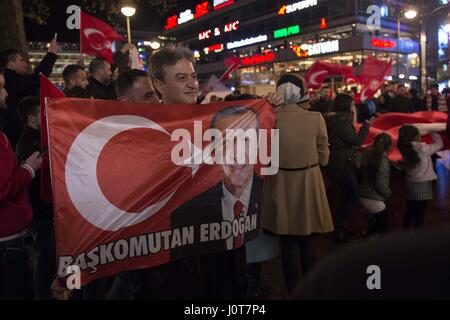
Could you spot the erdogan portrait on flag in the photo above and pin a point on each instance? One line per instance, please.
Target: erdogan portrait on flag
(122, 202)
(232, 207)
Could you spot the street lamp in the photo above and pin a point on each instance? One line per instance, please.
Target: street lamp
(128, 10)
(411, 13)
(155, 45)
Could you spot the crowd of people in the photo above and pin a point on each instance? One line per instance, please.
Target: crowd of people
(393, 97)
(317, 138)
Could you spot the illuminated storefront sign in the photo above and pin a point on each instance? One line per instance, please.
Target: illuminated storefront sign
(171, 22)
(218, 4)
(286, 32)
(383, 43)
(200, 10)
(213, 48)
(258, 59)
(308, 50)
(246, 42)
(204, 35)
(185, 16)
(297, 6)
(229, 27)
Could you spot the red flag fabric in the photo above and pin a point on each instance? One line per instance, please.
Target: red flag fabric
(232, 63)
(320, 71)
(129, 196)
(372, 76)
(391, 123)
(48, 91)
(96, 37)
(350, 79)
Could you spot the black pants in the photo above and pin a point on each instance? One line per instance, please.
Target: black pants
(44, 258)
(296, 251)
(349, 189)
(254, 271)
(378, 223)
(15, 278)
(415, 214)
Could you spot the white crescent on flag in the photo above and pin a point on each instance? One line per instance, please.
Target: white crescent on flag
(105, 44)
(81, 174)
(313, 77)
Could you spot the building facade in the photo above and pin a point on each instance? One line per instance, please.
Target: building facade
(276, 37)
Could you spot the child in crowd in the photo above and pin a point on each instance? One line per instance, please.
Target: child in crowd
(419, 172)
(375, 184)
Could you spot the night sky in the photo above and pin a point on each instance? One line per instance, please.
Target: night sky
(146, 19)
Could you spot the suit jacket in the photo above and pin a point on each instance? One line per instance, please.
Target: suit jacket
(207, 208)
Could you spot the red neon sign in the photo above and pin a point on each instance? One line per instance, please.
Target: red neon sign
(201, 9)
(218, 4)
(323, 23)
(258, 59)
(171, 22)
(383, 43)
(213, 48)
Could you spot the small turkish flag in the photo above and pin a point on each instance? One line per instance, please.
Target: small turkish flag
(96, 37)
(117, 183)
(232, 63)
(48, 91)
(320, 71)
(372, 76)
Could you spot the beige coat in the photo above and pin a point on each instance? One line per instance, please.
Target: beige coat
(295, 202)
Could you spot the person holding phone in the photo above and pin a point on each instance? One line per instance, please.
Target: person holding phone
(20, 83)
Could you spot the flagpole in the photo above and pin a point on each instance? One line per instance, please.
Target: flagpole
(129, 29)
(81, 45)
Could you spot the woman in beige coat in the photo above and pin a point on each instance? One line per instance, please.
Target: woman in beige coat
(295, 201)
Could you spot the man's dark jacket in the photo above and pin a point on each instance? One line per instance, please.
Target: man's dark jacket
(101, 91)
(18, 87)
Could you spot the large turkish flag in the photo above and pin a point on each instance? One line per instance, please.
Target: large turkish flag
(391, 123)
(47, 91)
(116, 184)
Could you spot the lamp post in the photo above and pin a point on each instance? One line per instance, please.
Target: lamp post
(128, 10)
(412, 13)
